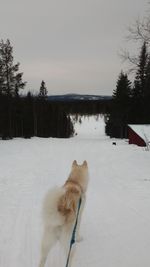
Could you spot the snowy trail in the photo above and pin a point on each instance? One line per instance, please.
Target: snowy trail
(116, 220)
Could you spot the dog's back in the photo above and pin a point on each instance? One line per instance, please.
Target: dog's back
(67, 204)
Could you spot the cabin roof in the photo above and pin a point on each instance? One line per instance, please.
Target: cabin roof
(143, 130)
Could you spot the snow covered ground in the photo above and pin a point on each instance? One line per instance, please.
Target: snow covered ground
(116, 221)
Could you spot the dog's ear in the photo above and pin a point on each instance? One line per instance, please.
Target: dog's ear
(74, 163)
(84, 163)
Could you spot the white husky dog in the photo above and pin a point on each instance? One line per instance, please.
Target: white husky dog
(60, 210)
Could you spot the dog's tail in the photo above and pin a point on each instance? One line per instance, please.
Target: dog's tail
(67, 205)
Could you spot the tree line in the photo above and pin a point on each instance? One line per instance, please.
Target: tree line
(32, 116)
(27, 115)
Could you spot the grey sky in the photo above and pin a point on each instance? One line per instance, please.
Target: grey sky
(72, 44)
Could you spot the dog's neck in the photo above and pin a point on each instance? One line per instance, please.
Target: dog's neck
(74, 184)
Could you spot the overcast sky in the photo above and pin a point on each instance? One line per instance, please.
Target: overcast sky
(72, 45)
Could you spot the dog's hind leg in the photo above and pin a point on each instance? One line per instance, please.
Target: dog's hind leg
(48, 241)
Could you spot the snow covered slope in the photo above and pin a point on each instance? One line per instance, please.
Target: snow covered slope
(116, 221)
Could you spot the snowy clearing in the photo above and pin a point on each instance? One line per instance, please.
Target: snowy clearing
(116, 221)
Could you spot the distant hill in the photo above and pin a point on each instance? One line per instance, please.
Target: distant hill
(77, 97)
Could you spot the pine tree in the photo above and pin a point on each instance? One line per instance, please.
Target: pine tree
(140, 78)
(1, 79)
(147, 79)
(138, 90)
(43, 90)
(146, 106)
(116, 125)
(123, 89)
(10, 84)
(11, 80)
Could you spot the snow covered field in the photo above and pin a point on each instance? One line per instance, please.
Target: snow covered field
(116, 221)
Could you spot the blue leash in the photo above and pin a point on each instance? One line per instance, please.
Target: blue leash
(72, 241)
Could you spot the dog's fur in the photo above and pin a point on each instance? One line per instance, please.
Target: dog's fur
(60, 208)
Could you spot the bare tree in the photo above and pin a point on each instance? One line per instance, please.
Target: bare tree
(138, 32)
